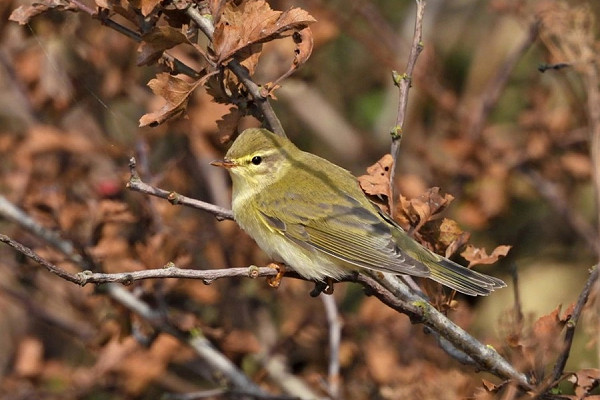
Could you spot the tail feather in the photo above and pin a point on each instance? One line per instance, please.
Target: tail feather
(462, 279)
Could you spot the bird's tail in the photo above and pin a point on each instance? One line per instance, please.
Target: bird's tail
(462, 279)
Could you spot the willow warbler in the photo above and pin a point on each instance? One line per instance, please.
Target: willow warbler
(313, 216)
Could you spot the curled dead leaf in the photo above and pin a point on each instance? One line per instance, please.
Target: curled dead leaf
(304, 45)
(585, 380)
(451, 236)
(175, 91)
(228, 124)
(252, 23)
(147, 6)
(477, 255)
(424, 208)
(377, 180)
(155, 42)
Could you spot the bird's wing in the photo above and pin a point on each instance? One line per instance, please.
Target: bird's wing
(349, 231)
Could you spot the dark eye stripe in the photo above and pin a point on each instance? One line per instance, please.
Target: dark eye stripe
(256, 160)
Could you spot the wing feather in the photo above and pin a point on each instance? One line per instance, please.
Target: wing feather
(347, 232)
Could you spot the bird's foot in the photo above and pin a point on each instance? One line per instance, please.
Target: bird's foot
(322, 287)
(275, 281)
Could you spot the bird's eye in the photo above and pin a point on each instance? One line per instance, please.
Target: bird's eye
(256, 160)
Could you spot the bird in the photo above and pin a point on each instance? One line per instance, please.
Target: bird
(311, 215)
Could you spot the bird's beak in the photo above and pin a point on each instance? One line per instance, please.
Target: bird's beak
(227, 164)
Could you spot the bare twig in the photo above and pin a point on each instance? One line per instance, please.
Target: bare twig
(78, 329)
(493, 90)
(550, 192)
(335, 335)
(561, 362)
(518, 308)
(178, 65)
(29, 253)
(404, 81)
(11, 212)
(485, 356)
(262, 101)
(171, 271)
(135, 183)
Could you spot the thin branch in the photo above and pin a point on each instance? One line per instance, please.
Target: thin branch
(127, 278)
(561, 362)
(171, 271)
(29, 253)
(262, 101)
(550, 192)
(496, 84)
(404, 82)
(335, 334)
(485, 356)
(135, 183)
(179, 66)
(78, 329)
(518, 308)
(14, 214)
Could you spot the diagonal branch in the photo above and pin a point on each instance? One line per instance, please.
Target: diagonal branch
(561, 362)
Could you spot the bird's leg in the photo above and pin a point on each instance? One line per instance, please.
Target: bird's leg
(275, 281)
(322, 287)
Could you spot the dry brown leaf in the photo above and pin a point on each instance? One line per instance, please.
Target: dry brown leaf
(577, 164)
(584, 381)
(175, 91)
(547, 328)
(23, 14)
(381, 362)
(29, 357)
(303, 50)
(147, 6)
(155, 42)
(115, 211)
(424, 208)
(377, 180)
(228, 124)
(492, 387)
(253, 23)
(241, 341)
(304, 45)
(216, 9)
(451, 236)
(143, 366)
(543, 341)
(477, 255)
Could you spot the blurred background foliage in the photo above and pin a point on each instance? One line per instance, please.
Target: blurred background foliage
(513, 152)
